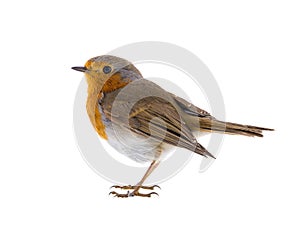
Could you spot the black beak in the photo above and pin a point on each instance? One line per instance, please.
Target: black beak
(79, 68)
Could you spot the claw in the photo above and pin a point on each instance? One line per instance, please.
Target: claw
(154, 186)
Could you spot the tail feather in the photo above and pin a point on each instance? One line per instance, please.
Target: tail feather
(231, 128)
(202, 151)
(213, 125)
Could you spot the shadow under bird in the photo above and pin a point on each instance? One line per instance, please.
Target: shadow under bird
(142, 120)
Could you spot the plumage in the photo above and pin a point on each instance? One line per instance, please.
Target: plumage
(143, 121)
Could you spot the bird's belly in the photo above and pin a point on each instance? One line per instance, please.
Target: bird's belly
(134, 146)
(137, 147)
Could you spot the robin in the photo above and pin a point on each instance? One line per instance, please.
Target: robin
(143, 121)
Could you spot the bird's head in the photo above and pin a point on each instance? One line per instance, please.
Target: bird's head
(107, 73)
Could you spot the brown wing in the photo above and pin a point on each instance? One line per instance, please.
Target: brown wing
(189, 108)
(157, 118)
(157, 115)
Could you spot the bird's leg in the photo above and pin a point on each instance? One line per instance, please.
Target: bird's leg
(136, 188)
(135, 191)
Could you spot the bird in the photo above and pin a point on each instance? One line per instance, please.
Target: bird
(143, 121)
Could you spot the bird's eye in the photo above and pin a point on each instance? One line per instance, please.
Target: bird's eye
(106, 69)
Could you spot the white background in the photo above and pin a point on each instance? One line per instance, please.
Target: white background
(251, 47)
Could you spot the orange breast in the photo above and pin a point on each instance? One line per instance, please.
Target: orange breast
(114, 82)
(94, 114)
(99, 126)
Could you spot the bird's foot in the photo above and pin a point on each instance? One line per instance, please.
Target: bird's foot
(132, 194)
(135, 191)
(129, 187)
